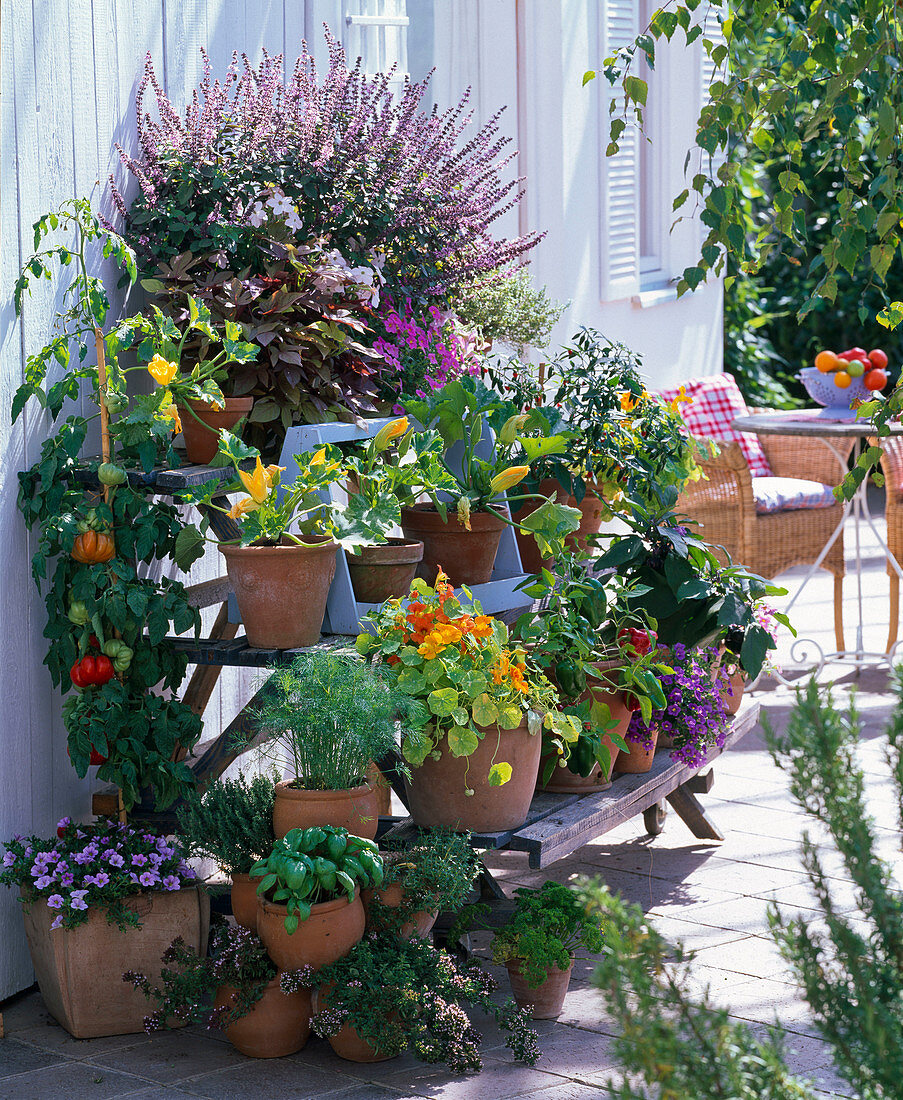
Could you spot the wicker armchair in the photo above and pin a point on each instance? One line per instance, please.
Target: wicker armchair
(892, 467)
(723, 504)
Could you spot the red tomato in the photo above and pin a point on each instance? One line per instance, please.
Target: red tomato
(878, 358)
(847, 355)
(859, 353)
(876, 379)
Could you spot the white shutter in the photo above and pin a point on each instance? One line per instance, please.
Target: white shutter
(709, 72)
(377, 32)
(619, 175)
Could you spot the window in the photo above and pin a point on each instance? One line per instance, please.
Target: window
(654, 224)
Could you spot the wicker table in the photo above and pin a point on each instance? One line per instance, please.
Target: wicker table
(819, 425)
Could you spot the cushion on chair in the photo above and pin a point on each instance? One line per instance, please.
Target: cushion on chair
(785, 494)
(715, 402)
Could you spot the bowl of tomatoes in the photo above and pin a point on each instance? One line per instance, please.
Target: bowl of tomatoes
(841, 381)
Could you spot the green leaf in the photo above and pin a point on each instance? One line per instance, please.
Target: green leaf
(499, 774)
(462, 741)
(442, 701)
(636, 89)
(484, 710)
(189, 547)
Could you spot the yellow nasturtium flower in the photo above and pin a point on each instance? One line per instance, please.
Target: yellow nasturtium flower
(507, 479)
(386, 434)
(161, 371)
(173, 413)
(257, 483)
(681, 399)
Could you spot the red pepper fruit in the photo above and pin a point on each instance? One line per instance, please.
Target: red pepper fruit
(631, 702)
(96, 757)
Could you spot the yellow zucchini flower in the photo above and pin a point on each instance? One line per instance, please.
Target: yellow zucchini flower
(161, 371)
(257, 483)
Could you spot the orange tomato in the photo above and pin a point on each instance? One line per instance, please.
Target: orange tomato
(93, 547)
(826, 361)
(842, 380)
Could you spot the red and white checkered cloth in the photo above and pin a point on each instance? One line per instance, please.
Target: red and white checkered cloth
(716, 401)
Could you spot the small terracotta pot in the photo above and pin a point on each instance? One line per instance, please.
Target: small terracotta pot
(328, 934)
(592, 510)
(278, 1025)
(544, 1001)
(530, 557)
(436, 791)
(202, 439)
(563, 780)
(244, 900)
(281, 591)
(355, 809)
(733, 698)
(467, 557)
(638, 760)
(380, 573)
(346, 1042)
(420, 924)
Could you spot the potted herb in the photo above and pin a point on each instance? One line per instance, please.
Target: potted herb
(432, 873)
(265, 1013)
(695, 717)
(97, 899)
(309, 906)
(391, 470)
(473, 739)
(388, 996)
(331, 717)
(283, 562)
(464, 539)
(538, 945)
(232, 824)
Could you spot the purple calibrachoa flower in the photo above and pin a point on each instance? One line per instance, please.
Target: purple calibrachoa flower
(149, 878)
(43, 882)
(55, 901)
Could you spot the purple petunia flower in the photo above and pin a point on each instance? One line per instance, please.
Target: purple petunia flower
(67, 878)
(171, 883)
(149, 878)
(115, 860)
(55, 901)
(43, 882)
(100, 879)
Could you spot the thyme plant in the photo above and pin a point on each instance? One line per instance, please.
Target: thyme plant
(231, 823)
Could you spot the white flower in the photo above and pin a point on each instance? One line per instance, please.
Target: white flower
(258, 215)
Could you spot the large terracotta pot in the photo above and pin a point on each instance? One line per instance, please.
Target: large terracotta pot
(328, 934)
(244, 900)
(530, 557)
(592, 510)
(639, 759)
(544, 1001)
(355, 809)
(380, 573)
(420, 924)
(79, 970)
(281, 591)
(278, 1025)
(436, 795)
(346, 1042)
(202, 423)
(466, 556)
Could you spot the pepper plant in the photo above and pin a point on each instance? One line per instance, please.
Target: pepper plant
(98, 532)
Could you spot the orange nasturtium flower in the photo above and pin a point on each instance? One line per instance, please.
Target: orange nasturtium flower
(161, 371)
(257, 483)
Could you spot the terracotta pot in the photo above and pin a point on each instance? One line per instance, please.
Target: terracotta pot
(436, 792)
(380, 573)
(279, 1024)
(244, 900)
(281, 591)
(420, 924)
(638, 760)
(79, 970)
(544, 1001)
(563, 780)
(355, 809)
(202, 439)
(466, 556)
(328, 934)
(530, 557)
(592, 510)
(733, 698)
(346, 1042)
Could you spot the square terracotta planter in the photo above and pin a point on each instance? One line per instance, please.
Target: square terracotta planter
(79, 970)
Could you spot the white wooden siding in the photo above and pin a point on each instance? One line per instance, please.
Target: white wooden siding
(70, 70)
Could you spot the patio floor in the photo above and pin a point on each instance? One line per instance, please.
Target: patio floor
(711, 896)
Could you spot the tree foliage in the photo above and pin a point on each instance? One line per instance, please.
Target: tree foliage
(809, 83)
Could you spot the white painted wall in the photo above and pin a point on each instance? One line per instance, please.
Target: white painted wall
(557, 125)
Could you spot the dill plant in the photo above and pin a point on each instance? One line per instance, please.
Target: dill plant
(332, 716)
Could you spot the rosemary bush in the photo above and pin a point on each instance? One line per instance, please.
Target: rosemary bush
(333, 716)
(231, 823)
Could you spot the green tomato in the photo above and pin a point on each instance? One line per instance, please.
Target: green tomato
(77, 613)
(109, 473)
(855, 368)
